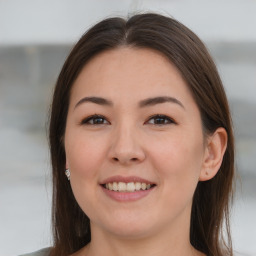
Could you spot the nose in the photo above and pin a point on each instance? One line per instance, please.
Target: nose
(126, 147)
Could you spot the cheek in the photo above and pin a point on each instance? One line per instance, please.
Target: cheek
(83, 154)
(178, 167)
(178, 162)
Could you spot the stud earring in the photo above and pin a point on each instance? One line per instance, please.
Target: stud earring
(67, 172)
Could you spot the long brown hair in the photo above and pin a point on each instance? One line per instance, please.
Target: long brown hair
(210, 209)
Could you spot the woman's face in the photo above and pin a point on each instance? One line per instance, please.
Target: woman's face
(134, 144)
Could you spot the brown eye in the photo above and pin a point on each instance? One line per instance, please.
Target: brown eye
(95, 120)
(160, 120)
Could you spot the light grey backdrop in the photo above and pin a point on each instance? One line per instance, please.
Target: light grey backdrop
(35, 38)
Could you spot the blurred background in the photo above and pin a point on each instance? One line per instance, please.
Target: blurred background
(35, 38)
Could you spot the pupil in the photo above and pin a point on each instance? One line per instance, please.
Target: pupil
(98, 120)
(159, 120)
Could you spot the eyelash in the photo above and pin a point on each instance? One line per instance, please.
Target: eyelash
(92, 118)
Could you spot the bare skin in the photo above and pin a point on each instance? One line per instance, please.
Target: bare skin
(160, 140)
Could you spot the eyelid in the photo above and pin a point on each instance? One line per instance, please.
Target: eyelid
(171, 120)
(85, 121)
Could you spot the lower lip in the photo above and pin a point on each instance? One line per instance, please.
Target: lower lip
(127, 196)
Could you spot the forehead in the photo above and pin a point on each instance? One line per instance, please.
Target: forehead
(130, 72)
(127, 60)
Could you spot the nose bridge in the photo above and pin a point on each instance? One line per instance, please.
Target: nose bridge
(125, 143)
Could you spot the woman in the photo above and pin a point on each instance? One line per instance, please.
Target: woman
(141, 144)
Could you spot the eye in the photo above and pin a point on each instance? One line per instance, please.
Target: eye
(160, 120)
(94, 120)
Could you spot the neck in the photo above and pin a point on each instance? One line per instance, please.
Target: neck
(103, 243)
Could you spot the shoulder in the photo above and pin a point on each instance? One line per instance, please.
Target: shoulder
(42, 252)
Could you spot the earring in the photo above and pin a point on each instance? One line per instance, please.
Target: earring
(67, 172)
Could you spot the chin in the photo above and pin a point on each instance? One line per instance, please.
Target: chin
(130, 232)
(129, 228)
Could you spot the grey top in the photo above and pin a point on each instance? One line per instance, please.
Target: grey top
(42, 252)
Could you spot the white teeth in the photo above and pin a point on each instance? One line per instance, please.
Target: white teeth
(115, 186)
(137, 185)
(127, 187)
(110, 186)
(121, 186)
(130, 186)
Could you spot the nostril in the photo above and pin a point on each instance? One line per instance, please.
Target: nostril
(125, 160)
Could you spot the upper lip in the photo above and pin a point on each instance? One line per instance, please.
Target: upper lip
(127, 179)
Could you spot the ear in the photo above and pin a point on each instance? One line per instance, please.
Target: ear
(67, 164)
(214, 151)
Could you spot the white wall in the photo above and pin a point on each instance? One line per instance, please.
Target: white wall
(28, 72)
(62, 21)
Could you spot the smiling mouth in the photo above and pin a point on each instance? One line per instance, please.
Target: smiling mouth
(127, 187)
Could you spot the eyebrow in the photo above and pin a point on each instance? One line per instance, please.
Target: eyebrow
(158, 100)
(144, 103)
(96, 100)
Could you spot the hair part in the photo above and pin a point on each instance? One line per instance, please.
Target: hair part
(211, 202)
